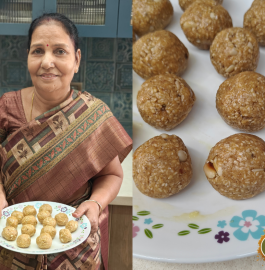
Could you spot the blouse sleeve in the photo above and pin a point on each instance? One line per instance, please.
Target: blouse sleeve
(3, 119)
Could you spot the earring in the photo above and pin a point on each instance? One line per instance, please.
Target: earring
(77, 71)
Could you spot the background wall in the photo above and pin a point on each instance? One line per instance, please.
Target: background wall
(105, 71)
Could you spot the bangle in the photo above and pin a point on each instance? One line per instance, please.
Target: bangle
(100, 207)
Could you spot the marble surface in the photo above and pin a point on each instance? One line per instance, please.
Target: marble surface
(249, 263)
(125, 195)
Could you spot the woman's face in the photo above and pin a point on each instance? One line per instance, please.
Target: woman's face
(52, 60)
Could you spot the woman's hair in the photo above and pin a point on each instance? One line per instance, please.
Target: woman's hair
(67, 24)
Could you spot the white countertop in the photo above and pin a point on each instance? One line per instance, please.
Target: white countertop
(125, 194)
(249, 263)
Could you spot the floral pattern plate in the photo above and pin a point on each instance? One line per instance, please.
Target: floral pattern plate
(197, 224)
(78, 236)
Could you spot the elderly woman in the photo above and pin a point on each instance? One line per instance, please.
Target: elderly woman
(60, 145)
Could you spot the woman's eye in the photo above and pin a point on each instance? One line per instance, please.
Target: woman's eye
(61, 51)
(37, 51)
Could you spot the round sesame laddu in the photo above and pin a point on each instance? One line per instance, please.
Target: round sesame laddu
(240, 100)
(46, 207)
(42, 215)
(61, 219)
(23, 241)
(162, 166)
(9, 233)
(184, 4)
(202, 21)
(234, 50)
(19, 215)
(256, 2)
(65, 236)
(235, 166)
(150, 16)
(157, 53)
(28, 229)
(164, 101)
(50, 230)
(49, 221)
(255, 22)
(29, 210)
(71, 225)
(44, 241)
(12, 221)
(29, 220)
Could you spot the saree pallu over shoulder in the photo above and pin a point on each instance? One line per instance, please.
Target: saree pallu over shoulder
(56, 153)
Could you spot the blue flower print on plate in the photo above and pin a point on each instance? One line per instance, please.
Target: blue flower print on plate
(84, 226)
(221, 223)
(249, 223)
(65, 210)
(6, 213)
(148, 221)
(38, 205)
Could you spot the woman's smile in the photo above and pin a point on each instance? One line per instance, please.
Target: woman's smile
(48, 76)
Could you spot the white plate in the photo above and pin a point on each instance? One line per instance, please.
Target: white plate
(200, 131)
(78, 236)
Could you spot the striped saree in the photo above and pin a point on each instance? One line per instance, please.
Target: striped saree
(50, 158)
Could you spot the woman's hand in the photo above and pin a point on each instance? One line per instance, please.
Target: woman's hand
(105, 188)
(91, 210)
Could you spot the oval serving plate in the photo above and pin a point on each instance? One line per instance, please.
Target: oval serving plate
(78, 236)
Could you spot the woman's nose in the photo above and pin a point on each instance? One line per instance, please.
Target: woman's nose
(47, 61)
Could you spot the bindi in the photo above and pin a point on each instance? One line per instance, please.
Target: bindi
(47, 45)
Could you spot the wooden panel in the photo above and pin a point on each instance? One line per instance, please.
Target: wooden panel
(120, 237)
